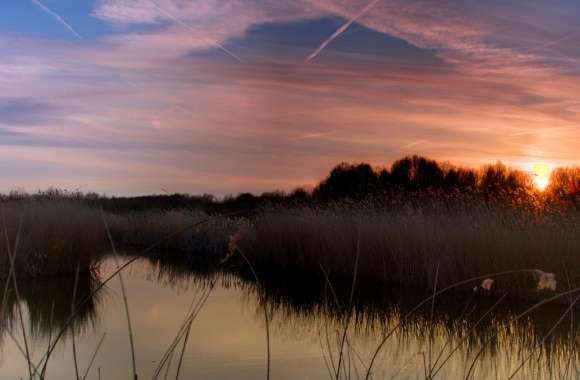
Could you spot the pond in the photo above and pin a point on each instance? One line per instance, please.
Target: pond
(228, 340)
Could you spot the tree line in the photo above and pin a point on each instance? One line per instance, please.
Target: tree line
(409, 179)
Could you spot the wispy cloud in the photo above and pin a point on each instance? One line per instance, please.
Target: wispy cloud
(57, 17)
(188, 27)
(273, 123)
(341, 30)
(195, 25)
(314, 135)
(25, 111)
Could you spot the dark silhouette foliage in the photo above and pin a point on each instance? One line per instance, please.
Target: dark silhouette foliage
(348, 181)
(564, 188)
(420, 175)
(416, 173)
(412, 179)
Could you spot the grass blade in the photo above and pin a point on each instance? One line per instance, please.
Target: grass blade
(125, 301)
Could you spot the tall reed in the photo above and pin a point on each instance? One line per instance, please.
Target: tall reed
(55, 237)
(402, 246)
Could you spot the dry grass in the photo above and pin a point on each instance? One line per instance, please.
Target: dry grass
(55, 237)
(405, 246)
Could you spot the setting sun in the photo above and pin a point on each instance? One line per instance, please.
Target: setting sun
(541, 172)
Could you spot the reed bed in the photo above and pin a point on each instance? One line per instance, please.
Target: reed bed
(396, 245)
(49, 238)
(405, 246)
(175, 233)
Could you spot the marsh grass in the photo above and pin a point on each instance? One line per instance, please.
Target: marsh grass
(206, 241)
(55, 238)
(425, 248)
(403, 246)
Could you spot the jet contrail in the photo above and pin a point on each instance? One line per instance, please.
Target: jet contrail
(57, 17)
(186, 26)
(341, 30)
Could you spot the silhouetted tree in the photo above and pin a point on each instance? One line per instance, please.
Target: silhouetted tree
(498, 180)
(273, 197)
(384, 179)
(416, 173)
(427, 174)
(300, 195)
(348, 181)
(564, 187)
(401, 173)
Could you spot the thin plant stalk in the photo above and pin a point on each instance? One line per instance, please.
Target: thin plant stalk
(326, 361)
(50, 323)
(195, 309)
(453, 286)
(183, 350)
(95, 352)
(125, 301)
(263, 302)
(72, 309)
(20, 349)
(430, 346)
(481, 319)
(548, 334)
(348, 315)
(104, 282)
(461, 316)
(12, 258)
(523, 314)
(168, 366)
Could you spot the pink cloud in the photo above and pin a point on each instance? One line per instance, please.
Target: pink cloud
(142, 114)
(479, 37)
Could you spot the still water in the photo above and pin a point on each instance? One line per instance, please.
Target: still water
(227, 339)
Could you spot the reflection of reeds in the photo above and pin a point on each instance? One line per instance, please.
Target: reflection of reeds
(466, 324)
(464, 327)
(299, 308)
(48, 305)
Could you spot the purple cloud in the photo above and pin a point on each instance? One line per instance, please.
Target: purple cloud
(26, 111)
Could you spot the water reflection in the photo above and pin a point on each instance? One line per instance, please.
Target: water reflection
(307, 324)
(472, 326)
(460, 330)
(47, 303)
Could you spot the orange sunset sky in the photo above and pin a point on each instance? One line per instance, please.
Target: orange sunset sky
(135, 96)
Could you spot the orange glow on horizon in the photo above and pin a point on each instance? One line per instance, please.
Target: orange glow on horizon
(541, 172)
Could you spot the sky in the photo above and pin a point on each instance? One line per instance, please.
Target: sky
(129, 97)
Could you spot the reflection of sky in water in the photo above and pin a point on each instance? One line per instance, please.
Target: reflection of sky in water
(227, 340)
